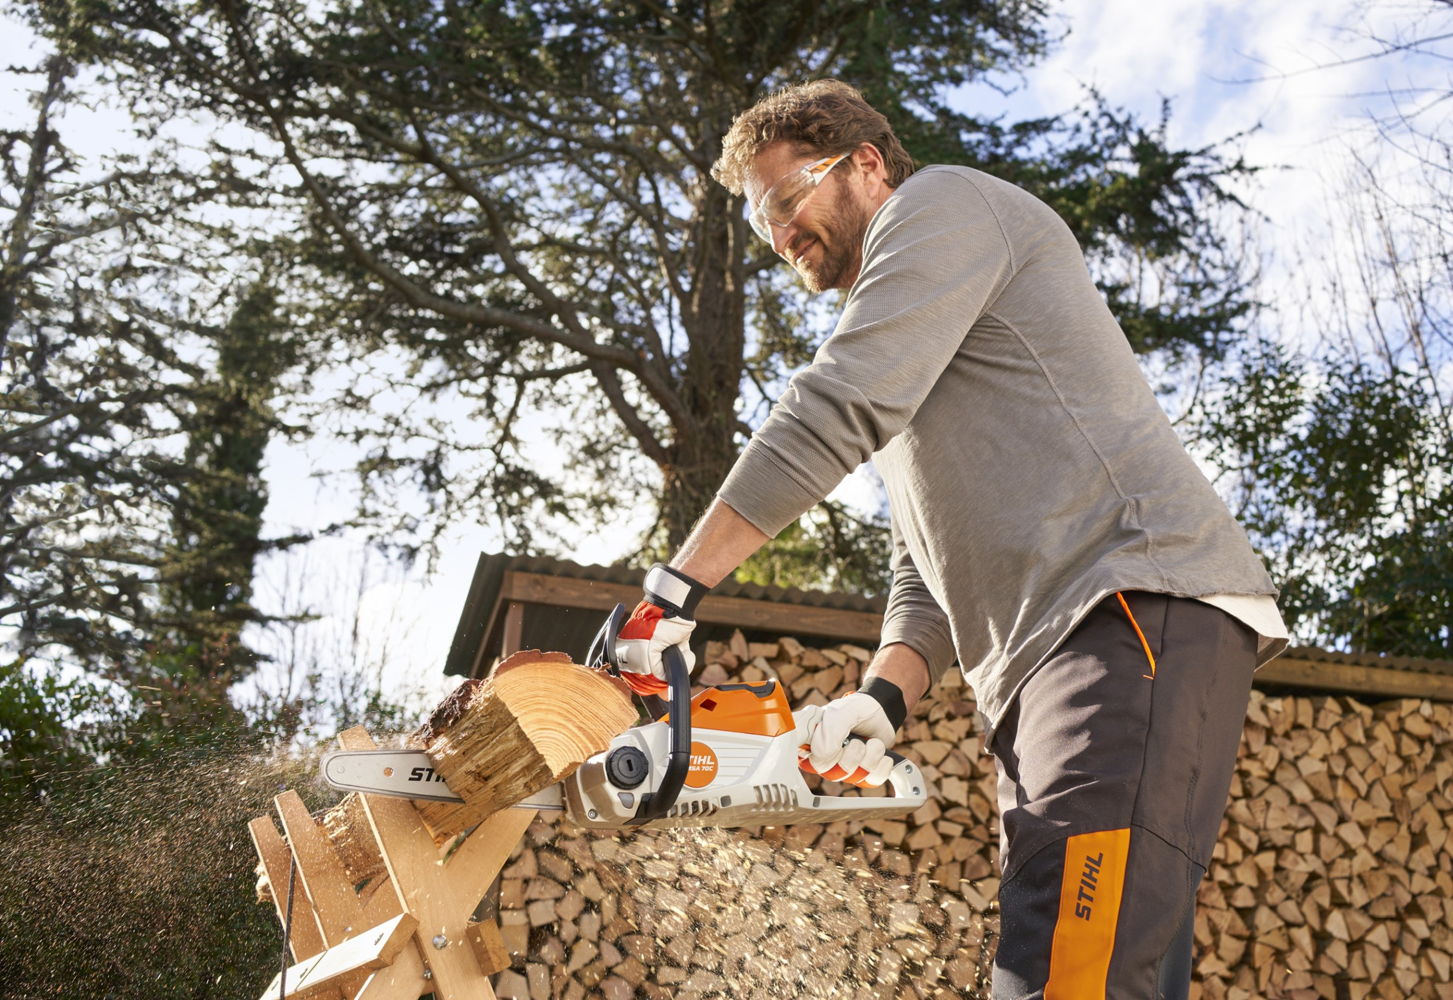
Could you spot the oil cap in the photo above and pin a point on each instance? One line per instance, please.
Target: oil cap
(626, 767)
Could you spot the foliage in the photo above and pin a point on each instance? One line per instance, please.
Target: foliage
(1340, 451)
(126, 868)
(135, 408)
(217, 507)
(136, 879)
(123, 821)
(508, 204)
(1343, 481)
(48, 724)
(135, 392)
(831, 547)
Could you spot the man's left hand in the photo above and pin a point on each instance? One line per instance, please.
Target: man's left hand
(664, 618)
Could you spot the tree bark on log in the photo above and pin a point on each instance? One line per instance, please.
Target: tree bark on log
(525, 727)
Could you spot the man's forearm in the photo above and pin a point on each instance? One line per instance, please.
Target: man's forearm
(721, 541)
(900, 664)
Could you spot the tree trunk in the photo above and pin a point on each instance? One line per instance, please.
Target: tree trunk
(715, 320)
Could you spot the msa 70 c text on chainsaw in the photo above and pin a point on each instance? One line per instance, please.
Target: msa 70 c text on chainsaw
(726, 758)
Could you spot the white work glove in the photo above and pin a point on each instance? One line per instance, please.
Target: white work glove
(848, 739)
(663, 619)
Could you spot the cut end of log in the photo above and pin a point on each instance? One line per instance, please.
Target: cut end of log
(565, 711)
(527, 726)
(528, 656)
(449, 711)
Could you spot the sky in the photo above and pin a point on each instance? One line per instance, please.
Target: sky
(1294, 73)
(1297, 73)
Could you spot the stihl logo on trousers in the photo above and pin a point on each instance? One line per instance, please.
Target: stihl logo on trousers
(1089, 880)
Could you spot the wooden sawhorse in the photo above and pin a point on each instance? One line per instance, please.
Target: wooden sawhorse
(405, 933)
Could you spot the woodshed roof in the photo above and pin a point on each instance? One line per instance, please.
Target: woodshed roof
(524, 602)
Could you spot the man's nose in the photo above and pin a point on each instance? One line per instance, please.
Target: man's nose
(781, 236)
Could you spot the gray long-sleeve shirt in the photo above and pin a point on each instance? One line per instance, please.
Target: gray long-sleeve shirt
(1030, 471)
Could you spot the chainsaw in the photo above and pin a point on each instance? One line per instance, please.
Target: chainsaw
(729, 757)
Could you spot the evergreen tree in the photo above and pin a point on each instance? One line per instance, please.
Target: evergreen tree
(134, 421)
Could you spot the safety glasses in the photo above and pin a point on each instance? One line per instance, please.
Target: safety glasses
(785, 198)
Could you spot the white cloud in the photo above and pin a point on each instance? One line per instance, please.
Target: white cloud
(1125, 49)
(1300, 73)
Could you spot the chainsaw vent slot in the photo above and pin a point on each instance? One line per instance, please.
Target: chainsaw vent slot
(776, 797)
(697, 807)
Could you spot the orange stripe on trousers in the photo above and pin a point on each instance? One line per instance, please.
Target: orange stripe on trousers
(1089, 910)
(1136, 625)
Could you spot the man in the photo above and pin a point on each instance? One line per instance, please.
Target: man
(1048, 528)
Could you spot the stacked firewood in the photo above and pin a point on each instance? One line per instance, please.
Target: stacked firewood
(1331, 878)
(850, 909)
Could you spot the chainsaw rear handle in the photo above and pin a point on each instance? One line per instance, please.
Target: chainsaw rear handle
(897, 758)
(905, 781)
(602, 655)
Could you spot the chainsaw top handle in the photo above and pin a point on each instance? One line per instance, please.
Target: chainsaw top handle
(656, 804)
(602, 654)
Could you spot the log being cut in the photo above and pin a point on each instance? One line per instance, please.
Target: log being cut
(501, 739)
(527, 726)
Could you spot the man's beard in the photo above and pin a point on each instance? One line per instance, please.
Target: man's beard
(839, 260)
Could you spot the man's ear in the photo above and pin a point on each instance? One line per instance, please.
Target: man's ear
(867, 158)
(868, 161)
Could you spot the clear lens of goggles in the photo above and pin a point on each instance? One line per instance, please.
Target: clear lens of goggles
(783, 199)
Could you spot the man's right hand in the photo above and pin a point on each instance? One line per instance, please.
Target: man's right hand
(664, 618)
(848, 739)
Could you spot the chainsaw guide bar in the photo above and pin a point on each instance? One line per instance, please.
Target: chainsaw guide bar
(407, 774)
(742, 770)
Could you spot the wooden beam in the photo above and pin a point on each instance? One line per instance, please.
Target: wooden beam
(1355, 678)
(864, 627)
(483, 853)
(514, 628)
(319, 870)
(356, 738)
(541, 588)
(404, 978)
(489, 946)
(323, 974)
(740, 612)
(418, 876)
(306, 937)
(337, 906)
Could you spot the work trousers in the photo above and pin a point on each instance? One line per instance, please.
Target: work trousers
(1114, 762)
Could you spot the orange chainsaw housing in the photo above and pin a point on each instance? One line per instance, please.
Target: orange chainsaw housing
(754, 710)
(751, 709)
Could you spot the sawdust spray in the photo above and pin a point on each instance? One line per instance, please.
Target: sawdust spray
(135, 880)
(741, 913)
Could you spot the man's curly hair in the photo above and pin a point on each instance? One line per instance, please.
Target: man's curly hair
(824, 116)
